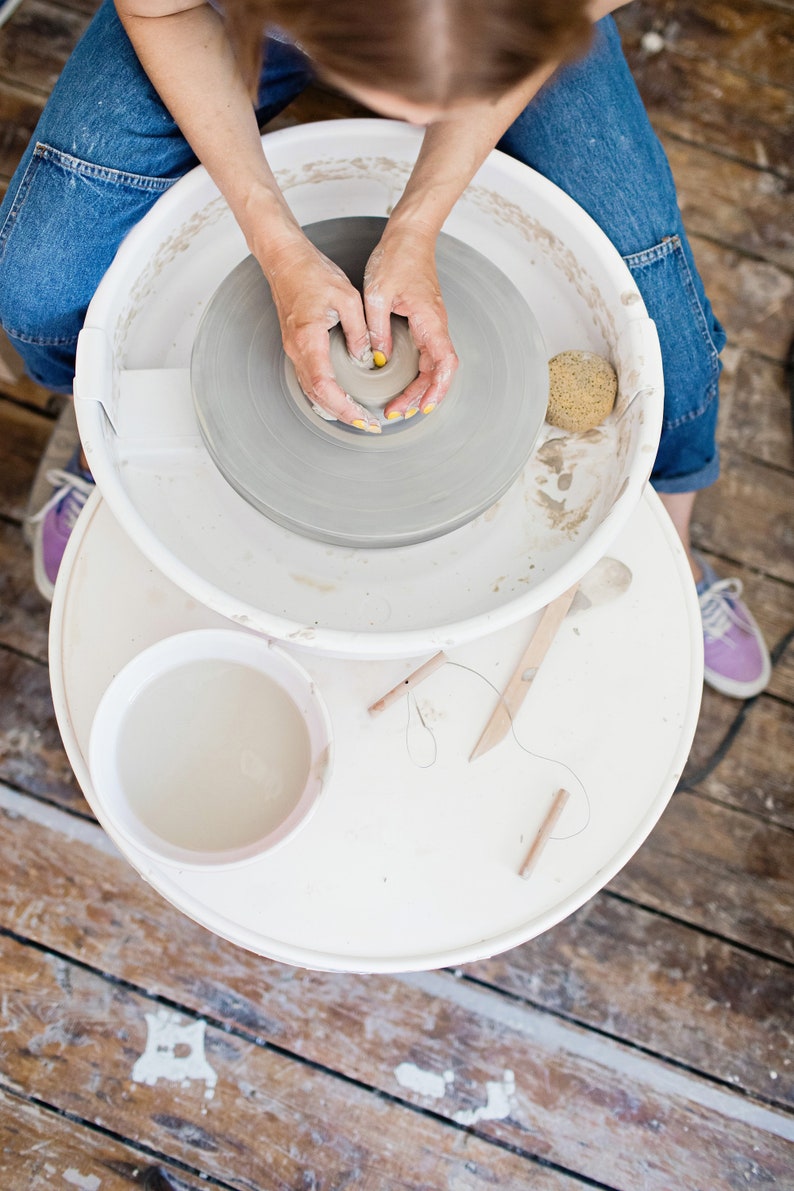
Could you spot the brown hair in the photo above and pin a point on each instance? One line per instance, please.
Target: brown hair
(426, 51)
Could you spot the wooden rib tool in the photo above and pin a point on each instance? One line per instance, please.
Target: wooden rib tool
(523, 676)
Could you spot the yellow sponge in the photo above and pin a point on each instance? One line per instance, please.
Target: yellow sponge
(582, 390)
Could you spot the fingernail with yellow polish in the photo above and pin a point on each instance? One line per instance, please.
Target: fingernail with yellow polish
(428, 409)
(374, 428)
(409, 413)
(378, 359)
(394, 415)
(360, 424)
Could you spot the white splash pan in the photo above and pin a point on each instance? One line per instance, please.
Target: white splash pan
(140, 435)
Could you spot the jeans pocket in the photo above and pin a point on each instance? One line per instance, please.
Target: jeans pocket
(62, 227)
(690, 336)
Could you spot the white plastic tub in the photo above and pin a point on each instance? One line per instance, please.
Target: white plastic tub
(136, 419)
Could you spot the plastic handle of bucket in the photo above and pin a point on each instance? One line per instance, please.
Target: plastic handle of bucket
(93, 377)
(638, 360)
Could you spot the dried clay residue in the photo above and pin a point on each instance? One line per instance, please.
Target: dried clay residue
(561, 518)
(566, 505)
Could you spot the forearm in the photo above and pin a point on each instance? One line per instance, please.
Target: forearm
(453, 149)
(188, 59)
(455, 146)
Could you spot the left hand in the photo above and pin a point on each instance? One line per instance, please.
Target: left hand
(401, 278)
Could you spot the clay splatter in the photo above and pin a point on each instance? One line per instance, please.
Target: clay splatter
(423, 1082)
(85, 1182)
(175, 1053)
(499, 1093)
(497, 1107)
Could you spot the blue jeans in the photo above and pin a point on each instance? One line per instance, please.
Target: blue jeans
(105, 149)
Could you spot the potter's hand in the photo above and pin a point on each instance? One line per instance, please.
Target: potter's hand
(401, 278)
(312, 295)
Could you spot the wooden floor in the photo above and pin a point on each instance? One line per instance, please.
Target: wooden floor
(649, 1036)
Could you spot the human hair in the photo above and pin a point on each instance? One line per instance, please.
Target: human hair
(426, 51)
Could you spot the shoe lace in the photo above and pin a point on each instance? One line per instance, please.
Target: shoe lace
(718, 610)
(71, 489)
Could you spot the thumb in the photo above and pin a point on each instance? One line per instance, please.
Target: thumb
(378, 314)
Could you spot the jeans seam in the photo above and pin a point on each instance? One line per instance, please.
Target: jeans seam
(17, 204)
(672, 246)
(102, 173)
(46, 341)
(74, 165)
(693, 414)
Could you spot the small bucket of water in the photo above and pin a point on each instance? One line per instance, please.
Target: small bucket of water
(209, 749)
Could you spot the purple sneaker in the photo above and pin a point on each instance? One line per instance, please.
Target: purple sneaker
(737, 660)
(53, 523)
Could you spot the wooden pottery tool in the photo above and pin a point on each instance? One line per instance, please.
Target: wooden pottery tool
(523, 676)
(547, 826)
(413, 679)
(605, 581)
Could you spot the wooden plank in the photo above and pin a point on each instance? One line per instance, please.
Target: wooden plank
(24, 614)
(755, 409)
(710, 104)
(86, 6)
(36, 43)
(734, 203)
(320, 102)
(663, 986)
(222, 1104)
(757, 38)
(77, 894)
(755, 775)
(11, 366)
(711, 101)
(23, 436)
(31, 752)
(19, 113)
(75, 1040)
(40, 1150)
(752, 299)
(746, 516)
(717, 868)
(27, 392)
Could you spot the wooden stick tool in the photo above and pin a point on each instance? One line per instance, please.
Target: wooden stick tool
(419, 675)
(523, 676)
(547, 826)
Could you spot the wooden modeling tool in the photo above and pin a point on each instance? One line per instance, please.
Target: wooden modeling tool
(605, 581)
(523, 676)
(419, 675)
(545, 830)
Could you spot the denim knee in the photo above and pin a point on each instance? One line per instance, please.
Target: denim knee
(588, 131)
(60, 230)
(691, 340)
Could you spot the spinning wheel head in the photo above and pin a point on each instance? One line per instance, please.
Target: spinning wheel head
(422, 477)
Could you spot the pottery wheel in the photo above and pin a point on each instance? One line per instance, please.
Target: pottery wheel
(419, 478)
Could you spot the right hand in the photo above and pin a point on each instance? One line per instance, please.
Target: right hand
(312, 295)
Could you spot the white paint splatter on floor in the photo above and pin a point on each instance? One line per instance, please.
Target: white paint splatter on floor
(497, 1106)
(174, 1052)
(425, 1083)
(85, 1182)
(499, 1093)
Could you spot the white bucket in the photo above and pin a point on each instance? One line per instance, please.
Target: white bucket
(140, 435)
(210, 748)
